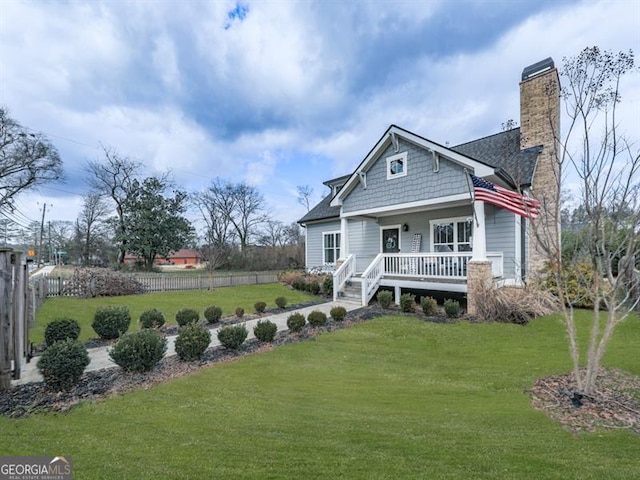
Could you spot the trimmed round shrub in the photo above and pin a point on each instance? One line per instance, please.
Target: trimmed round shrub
(63, 363)
(281, 302)
(153, 318)
(192, 341)
(384, 298)
(295, 322)
(265, 330)
(451, 308)
(314, 287)
(239, 312)
(111, 322)
(429, 305)
(213, 314)
(260, 307)
(61, 329)
(186, 316)
(139, 351)
(338, 313)
(317, 318)
(407, 302)
(232, 336)
(327, 285)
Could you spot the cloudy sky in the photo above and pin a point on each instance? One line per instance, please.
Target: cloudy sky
(278, 93)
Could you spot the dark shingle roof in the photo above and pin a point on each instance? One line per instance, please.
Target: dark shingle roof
(321, 211)
(502, 150)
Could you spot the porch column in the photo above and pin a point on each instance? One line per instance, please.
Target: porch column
(479, 235)
(479, 277)
(343, 239)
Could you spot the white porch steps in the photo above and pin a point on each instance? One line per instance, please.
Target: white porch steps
(352, 291)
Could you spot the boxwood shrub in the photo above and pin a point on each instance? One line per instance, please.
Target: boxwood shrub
(265, 330)
(232, 336)
(260, 307)
(451, 308)
(295, 322)
(192, 341)
(186, 316)
(317, 318)
(384, 298)
(62, 364)
(153, 318)
(338, 313)
(281, 302)
(139, 351)
(61, 329)
(429, 305)
(407, 302)
(213, 314)
(111, 322)
(239, 312)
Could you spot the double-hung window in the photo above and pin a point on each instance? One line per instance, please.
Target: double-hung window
(331, 247)
(451, 235)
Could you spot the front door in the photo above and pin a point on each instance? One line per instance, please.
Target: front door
(390, 240)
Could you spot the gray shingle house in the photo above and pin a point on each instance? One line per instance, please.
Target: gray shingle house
(410, 215)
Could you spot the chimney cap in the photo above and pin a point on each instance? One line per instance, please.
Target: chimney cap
(537, 68)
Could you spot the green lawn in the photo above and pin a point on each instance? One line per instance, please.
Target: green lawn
(227, 298)
(393, 398)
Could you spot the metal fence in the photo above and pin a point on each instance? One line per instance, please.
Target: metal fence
(54, 286)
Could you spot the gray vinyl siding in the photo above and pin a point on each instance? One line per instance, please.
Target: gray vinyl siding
(363, 238)
(314, 241)
(500, 227)
(420, 183)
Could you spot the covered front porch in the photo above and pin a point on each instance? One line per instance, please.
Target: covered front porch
(420, 271)
(455, 237)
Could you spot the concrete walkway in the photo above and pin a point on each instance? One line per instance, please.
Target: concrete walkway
(100, 356)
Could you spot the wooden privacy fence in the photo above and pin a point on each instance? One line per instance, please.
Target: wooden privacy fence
(15, 315)
(54, 286)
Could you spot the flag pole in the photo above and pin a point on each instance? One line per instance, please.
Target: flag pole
(473, 197)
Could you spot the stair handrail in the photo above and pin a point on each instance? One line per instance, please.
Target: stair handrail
(342, 275)
(371, 278)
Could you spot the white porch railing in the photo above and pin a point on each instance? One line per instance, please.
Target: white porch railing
(449, 266)
(343, 274)
(371, 278)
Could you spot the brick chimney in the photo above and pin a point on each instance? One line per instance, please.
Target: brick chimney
(540, 126)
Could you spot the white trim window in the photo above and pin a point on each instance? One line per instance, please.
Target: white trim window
(397, 166)
(330, 247)
(451, 235)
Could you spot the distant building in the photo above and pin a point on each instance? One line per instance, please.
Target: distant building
(184, 256)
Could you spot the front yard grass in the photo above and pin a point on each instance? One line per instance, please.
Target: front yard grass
(227, 298)
(392, 398)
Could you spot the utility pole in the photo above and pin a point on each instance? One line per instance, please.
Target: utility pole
(39, 257)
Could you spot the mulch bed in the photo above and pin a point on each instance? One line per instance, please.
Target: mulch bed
(614, 405)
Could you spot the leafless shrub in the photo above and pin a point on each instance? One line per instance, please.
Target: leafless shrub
(99, 282)
(515, 304)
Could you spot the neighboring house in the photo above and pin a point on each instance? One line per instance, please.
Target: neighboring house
(184, 256)
(407, 217)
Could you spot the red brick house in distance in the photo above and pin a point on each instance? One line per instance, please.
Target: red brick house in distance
(184, 256)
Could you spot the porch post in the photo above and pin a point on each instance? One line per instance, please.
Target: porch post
(343, 239)
(479, 277)
(479, 232)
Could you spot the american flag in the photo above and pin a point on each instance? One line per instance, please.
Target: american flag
(501, 197)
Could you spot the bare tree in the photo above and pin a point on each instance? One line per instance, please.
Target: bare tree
(594, 150)
(112, 177)
(272, 234)
(91, 226)
(26, 159)
(241, 205)
(304, 196)
(218, 236)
